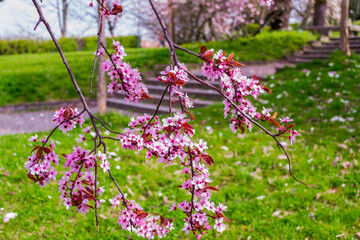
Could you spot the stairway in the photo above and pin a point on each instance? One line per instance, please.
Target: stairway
(200, 95)
(321, 50)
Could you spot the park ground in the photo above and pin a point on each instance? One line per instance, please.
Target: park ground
(263, 201)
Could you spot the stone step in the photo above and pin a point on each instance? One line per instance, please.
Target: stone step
(313, 56)
(296, 60)
(352, 40)
(328, 50)
(138, 107)
(207, 94)
(165, 101)
(191, 84)
(350, 37)
(336, 45)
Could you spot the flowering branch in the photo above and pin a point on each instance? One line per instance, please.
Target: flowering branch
(166, 139)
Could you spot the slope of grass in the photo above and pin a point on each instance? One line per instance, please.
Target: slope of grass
(263, 201)
(43, 77)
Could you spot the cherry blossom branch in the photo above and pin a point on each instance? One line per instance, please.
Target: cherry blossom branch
(55, 128)
(172, 49)
(73, 80)
(116, 69)
(280, 146)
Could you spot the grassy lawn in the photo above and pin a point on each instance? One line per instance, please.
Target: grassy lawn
(42, 77)
(263, 201)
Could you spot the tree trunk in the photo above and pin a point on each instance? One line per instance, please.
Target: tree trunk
(171, 20)
(280, 15)
(64, 17)
(307, 15)
(319, 13)
(100, 77)
(344, 30)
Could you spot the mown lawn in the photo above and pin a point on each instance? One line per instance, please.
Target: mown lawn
(43, 77)
(263, 201)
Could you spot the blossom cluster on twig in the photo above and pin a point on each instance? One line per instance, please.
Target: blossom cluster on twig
(168, 139)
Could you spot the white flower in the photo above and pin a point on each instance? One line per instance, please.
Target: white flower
(9, 216)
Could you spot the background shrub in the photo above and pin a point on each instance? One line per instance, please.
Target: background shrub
(21, 46)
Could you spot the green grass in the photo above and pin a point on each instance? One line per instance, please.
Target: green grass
(43, 77)
(264, 46)
(249, 170)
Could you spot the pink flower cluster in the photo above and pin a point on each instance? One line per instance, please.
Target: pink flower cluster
(39, 164)
(123, 77)
(171, 139)
(67, 118)
(145, 225)
(80, 191)
(177, 78)
(238, 87)
(267, 3)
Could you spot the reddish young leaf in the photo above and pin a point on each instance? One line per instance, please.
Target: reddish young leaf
(167, 129)
(242, 129)
(290, 126)
(267, 90)
(188, 127)
(116, 10)
(180, 82)
(207, 159)
(145, 96)
(89, 190)
(274, 115)
(208, 54)
(202, 49)
(230, 57)
(86, 182)
(222, 216)
(237, 64)
(142, 215)
(274, 122)
(68, 112)
(212, 188)
(36, 147)
(46, 150)
(192, 117)
(173, 76)
(256, 77)
(89, 206)
(39, 153)
(29, 175)
(163, 221)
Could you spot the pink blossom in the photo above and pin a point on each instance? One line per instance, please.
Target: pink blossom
(219, 225)
(293, 134)
(33, 138)
(286, 120)
(87, 129)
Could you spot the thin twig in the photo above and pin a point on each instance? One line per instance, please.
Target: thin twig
(157, 108)
(252, 121)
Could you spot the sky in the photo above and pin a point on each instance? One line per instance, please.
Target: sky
(18, 18)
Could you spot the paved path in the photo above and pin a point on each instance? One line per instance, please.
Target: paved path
(34, 121)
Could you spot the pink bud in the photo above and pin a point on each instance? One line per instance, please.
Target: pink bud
(91, 4)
